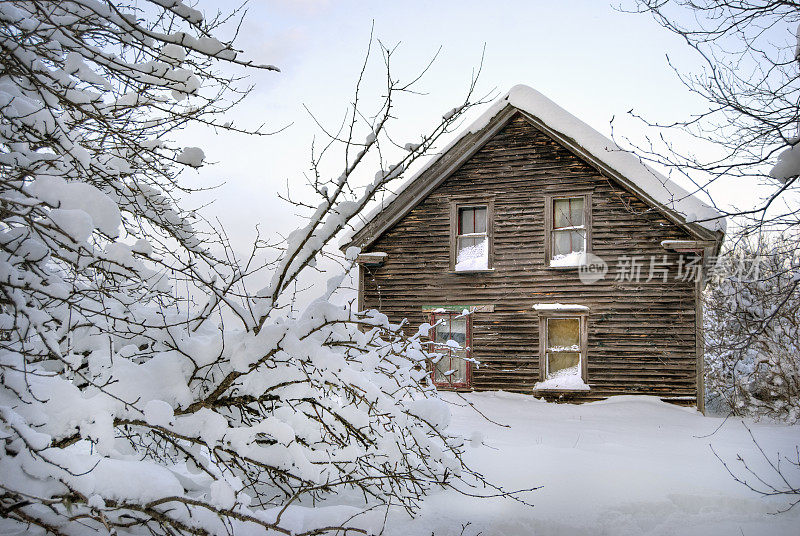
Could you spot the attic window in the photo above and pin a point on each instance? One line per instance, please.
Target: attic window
(568, 229)
(471, 236)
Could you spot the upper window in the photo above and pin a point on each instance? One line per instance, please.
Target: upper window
(563, 356)
(451, 339)
(472, 239)
(568, 226)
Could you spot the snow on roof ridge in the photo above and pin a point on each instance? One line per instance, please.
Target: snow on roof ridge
(526, 99)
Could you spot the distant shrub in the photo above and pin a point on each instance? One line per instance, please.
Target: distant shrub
(752, 331)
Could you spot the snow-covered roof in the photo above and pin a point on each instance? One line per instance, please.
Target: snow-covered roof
(653, 186)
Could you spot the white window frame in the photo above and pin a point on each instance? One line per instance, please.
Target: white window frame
(550, 230)
(583, 324)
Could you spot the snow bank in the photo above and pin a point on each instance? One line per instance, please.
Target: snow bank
(626, 466)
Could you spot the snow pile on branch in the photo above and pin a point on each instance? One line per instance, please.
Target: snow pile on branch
(233, 423)
(788, 165)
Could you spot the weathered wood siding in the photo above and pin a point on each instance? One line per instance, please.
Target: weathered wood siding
(641, 335)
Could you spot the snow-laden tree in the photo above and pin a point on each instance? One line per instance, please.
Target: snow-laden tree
(747, 130)
(124, 407)
(752, 321)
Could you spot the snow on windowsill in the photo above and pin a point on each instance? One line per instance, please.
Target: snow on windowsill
(566, 382)
(473, 258)
(471, 271)
(575, 259)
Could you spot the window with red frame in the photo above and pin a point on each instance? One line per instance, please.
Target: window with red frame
(451, 337)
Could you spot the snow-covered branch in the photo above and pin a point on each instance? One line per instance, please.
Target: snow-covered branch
(125, 406)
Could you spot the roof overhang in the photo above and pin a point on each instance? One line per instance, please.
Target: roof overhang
(687, 246)
(373, 259)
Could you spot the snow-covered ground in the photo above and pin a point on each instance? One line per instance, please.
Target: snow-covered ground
(624, 466)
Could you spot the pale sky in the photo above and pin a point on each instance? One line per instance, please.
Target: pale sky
(589, 58)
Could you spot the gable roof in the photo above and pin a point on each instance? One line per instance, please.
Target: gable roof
(678, 205)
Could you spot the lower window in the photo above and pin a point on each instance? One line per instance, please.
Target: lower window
(451, 337)
(563, 347)
(563, 355)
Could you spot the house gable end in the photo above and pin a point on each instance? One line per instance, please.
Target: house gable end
(421, 186)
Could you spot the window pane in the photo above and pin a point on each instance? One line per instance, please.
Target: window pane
(471, 220)
(561, 243)
(458, 330)
(568, 212)
(466, 220)
(563, 363)
(576, 211)
(450, 329)
(441, 366)
(473, 253)
(460, 367)
(565, 242)
(561, 213)
(578, 240)
(480, 220)
(563, 333)
(442, 333)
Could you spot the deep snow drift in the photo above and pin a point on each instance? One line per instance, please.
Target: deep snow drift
(624, 466)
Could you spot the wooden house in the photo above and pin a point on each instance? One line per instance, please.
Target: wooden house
(581, 266)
